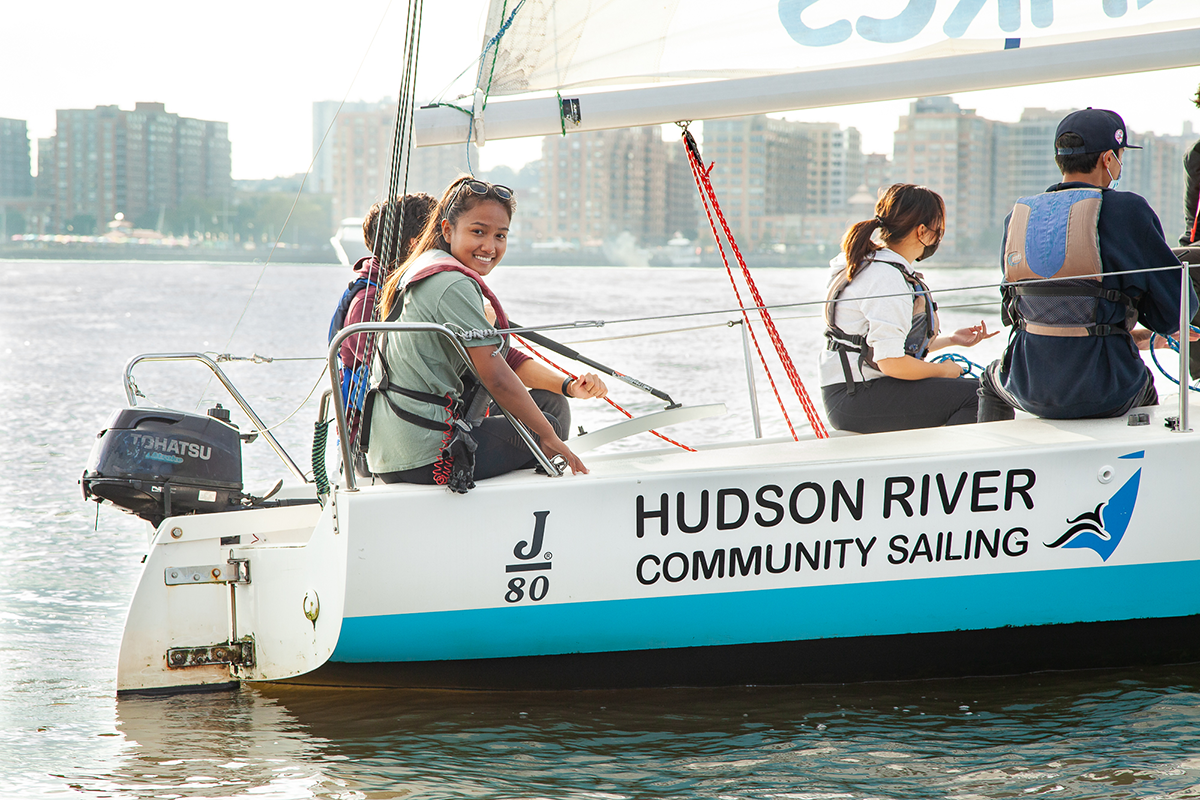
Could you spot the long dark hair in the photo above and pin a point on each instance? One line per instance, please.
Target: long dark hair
(901, 208)
(452, 206)
(417, 209)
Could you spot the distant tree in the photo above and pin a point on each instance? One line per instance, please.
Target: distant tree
(258, 213)
(14, 223)
(82, 225)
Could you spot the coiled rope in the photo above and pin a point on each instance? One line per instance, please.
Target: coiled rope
(320, 437)
(1174, 345)
(969, 368)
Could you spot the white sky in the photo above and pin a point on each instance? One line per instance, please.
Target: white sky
(260, 64)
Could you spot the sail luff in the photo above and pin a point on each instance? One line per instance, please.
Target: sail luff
(514, 117)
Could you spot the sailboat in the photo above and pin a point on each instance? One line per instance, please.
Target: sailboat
(987, 549)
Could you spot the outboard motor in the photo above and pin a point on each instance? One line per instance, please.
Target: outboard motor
(157, 463)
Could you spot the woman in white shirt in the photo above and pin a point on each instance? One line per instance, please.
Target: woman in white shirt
(881, 323)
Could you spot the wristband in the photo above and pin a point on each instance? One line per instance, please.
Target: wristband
(567, 382)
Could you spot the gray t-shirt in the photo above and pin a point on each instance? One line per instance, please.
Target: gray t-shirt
(425, 362)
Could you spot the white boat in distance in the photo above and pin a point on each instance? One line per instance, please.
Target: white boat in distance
(985, 549)
(348, 242)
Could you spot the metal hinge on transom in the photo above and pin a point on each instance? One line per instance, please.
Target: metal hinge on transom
(239, 654)
(235, 570)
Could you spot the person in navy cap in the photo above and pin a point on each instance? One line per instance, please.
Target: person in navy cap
(1081, 271)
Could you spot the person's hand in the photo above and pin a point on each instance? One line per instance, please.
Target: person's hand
(950, 369)
(1142, 337)
(587, 386)
(489, 312)
(556, 447)
(969, 337)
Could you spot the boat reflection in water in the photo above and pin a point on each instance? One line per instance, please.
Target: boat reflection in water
(977, 737)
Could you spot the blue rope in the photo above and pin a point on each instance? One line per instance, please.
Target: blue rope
(479, 79)
(969, 368)
(1174, 345)
(492, 42)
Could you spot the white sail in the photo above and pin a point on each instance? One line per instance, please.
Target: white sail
(634, 62)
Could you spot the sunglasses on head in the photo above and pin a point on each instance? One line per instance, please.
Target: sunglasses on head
(483, 188)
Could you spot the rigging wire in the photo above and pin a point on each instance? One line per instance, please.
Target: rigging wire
(387, 246)
(708, 196)
(300, 191)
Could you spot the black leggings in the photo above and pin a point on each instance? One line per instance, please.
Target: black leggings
(501, 448)
(890, 404)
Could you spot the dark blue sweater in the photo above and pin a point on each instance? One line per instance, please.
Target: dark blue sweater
(1096, 376)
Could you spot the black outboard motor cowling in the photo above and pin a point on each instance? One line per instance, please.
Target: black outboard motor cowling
(157, 463)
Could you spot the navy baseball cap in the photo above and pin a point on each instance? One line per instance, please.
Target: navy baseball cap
(1100, 130)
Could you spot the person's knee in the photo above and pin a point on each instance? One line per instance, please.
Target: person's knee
(992, 407)
(557, 410)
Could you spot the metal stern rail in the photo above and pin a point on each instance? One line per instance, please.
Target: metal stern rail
(131, 392)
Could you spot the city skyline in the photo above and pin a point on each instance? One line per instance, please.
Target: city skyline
(261, 66)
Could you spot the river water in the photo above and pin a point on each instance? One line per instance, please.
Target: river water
(67, 573)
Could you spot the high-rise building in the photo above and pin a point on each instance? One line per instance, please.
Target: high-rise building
(139, 163)
(761, 170)
(783, 183)
(877, 173)
(835, 165)
(682, 200)
(355, 163)
(598, 185)
(16, 178)
(951, 150)
(1156, 173)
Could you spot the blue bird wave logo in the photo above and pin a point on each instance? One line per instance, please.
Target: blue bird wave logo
(1102, 529)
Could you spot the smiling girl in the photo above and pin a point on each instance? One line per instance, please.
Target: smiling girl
(424, 380)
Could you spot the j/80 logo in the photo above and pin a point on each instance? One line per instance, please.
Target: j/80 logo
(526, 552)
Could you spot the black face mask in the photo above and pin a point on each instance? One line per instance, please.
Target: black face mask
(929, 250)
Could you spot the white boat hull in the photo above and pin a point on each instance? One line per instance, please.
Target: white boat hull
(979, 549)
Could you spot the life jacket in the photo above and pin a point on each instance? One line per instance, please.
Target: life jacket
(456, 465)
(354, 381)
(1055, 236)
(921, 332)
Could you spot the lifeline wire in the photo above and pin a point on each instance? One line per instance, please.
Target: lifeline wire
(600, 323)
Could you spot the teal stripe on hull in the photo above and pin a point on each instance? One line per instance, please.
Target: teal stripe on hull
(775, 615)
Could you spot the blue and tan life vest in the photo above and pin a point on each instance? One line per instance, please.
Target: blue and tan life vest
(1053, 278)
(921, 333)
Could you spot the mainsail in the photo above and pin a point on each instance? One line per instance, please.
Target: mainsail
(562, 65)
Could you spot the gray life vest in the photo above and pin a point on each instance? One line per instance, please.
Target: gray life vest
(1052, 270)
(921, 333)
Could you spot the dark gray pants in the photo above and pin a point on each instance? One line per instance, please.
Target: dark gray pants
(890, 404)
(501, 448)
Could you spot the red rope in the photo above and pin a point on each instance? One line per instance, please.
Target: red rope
(606, 399)
(445, 464)
(708, 195)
